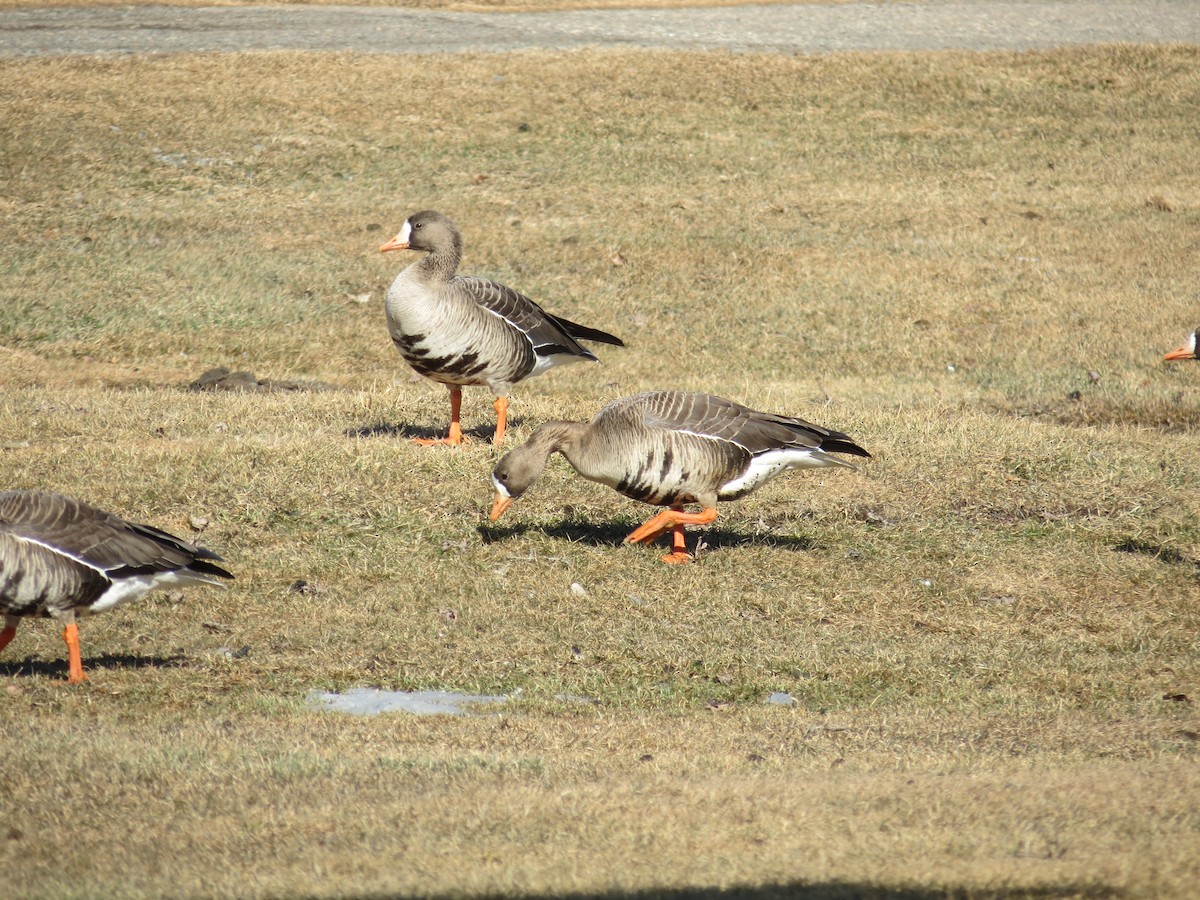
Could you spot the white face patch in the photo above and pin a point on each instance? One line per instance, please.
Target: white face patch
(501, 489)
(405, 232)
(1192, 342)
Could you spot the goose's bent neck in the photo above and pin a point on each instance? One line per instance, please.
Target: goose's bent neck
(439, 265)
(559, 437)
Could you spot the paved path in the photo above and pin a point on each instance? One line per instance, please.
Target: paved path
(805, 28)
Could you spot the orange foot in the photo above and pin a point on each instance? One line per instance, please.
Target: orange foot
(454, 439)
(667, 520)
(671, 520)
(678, 555)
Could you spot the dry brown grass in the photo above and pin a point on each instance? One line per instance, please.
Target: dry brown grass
(990, 629)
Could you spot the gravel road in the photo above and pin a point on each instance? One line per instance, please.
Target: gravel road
(806, 28)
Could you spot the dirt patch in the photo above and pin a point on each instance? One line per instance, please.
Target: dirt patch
(224, 379)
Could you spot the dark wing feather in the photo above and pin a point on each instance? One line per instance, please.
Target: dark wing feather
(100, 539)
(548, 334)
(173, 553)
(757, 432)
(584, 333)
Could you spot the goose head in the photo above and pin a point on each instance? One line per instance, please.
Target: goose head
(427, 231)
(514, 474)
(1187, 350)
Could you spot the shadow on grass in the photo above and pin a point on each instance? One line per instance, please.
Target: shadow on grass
(827, 891)
(612, 534)
(482, 434)
(30, 667)
(1168, 555)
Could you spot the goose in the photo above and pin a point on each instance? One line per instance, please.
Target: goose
(460, 330)
(670, 448)
(1188, 349)
(61, 558)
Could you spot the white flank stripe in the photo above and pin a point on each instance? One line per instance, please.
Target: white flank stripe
(509, 322)
(61, 552)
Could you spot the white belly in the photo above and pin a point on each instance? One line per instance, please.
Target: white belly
(125, 589)
(767, 465)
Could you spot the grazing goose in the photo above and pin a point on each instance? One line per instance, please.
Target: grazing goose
(669, 448)
(61, 558)
(1187, 350)
(460, 330)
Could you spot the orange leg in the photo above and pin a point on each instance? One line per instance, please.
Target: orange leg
(501, 405)
(671, 520)
(71, 636)
(455, 437)
(9, 632)
(678, 552)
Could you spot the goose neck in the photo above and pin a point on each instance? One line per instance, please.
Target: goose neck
(441, 263)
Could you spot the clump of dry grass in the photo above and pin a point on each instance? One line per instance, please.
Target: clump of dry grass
(988, 630)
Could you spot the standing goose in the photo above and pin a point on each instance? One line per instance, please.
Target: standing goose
(460, 330)
(669, 448)
(60, 558)
(1187, 350)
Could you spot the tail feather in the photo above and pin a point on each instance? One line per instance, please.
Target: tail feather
(583, 332)
(209, 570)
(842, 443)
(197, 563)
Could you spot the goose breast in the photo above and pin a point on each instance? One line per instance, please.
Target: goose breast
(449, 337)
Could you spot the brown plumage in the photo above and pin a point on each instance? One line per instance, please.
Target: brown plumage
(459, 330)
(671, 448)
(61, 558)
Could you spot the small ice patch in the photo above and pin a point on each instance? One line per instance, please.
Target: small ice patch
(373, 701)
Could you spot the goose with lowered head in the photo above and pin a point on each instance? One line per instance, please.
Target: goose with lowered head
(672, 448)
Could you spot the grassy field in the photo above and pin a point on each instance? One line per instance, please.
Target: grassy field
(971, 263)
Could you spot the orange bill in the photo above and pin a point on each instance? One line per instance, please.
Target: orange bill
(394, 244)
(1184, 352)
(499, 505)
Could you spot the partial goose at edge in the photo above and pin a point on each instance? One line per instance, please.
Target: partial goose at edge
(1187, 350)
(671, 448)
(61, 559)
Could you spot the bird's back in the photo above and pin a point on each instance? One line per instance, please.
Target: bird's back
(57, 553)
